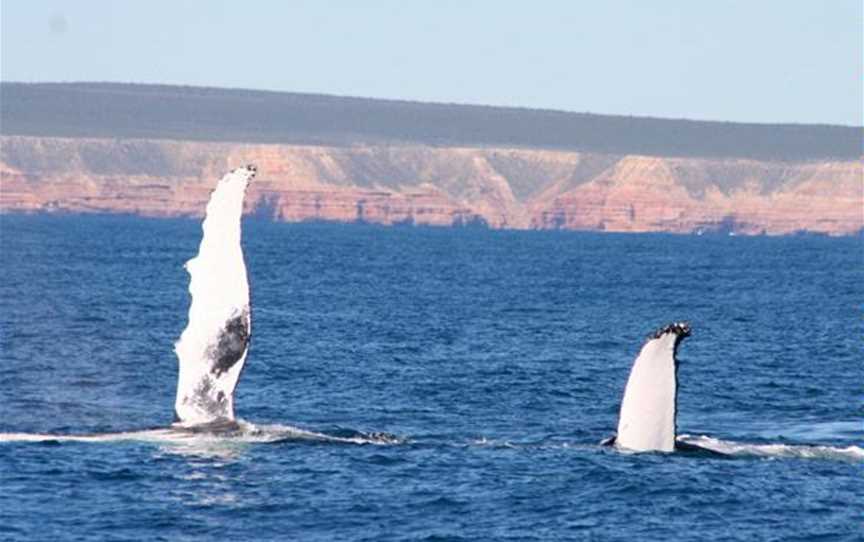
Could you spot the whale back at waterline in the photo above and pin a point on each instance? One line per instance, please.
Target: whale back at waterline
(212, 349)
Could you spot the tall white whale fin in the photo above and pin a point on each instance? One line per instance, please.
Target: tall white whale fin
(212, 349)
(649, 406)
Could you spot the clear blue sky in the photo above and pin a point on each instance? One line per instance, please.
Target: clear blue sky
(736, 60)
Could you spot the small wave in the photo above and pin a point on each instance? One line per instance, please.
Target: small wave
(799, 451)
(492, 443)
(282, 433)
(100, 437)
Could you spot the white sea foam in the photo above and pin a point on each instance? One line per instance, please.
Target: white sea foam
(242, 433)
(772, 450)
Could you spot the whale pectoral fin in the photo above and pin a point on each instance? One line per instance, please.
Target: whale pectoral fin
(647, 419)
(610, 441)
(212, 349)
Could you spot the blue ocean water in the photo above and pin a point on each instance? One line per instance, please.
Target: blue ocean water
(496, 360)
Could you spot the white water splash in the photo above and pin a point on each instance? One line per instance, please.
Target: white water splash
(779, 451)
(241, 432)
(212, 349)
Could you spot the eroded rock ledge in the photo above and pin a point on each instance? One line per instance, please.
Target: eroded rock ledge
(443, 186)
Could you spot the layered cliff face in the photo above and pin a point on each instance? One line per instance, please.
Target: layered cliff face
(425, 185)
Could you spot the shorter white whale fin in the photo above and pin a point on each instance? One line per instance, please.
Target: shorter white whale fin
(647, 421)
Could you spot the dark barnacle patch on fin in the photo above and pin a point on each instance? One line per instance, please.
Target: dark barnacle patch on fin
(203, 398)
(682, 329)
(231, 345)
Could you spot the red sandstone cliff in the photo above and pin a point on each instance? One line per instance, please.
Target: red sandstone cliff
(415, 184)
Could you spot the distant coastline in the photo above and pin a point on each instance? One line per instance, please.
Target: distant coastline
(157, 150)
